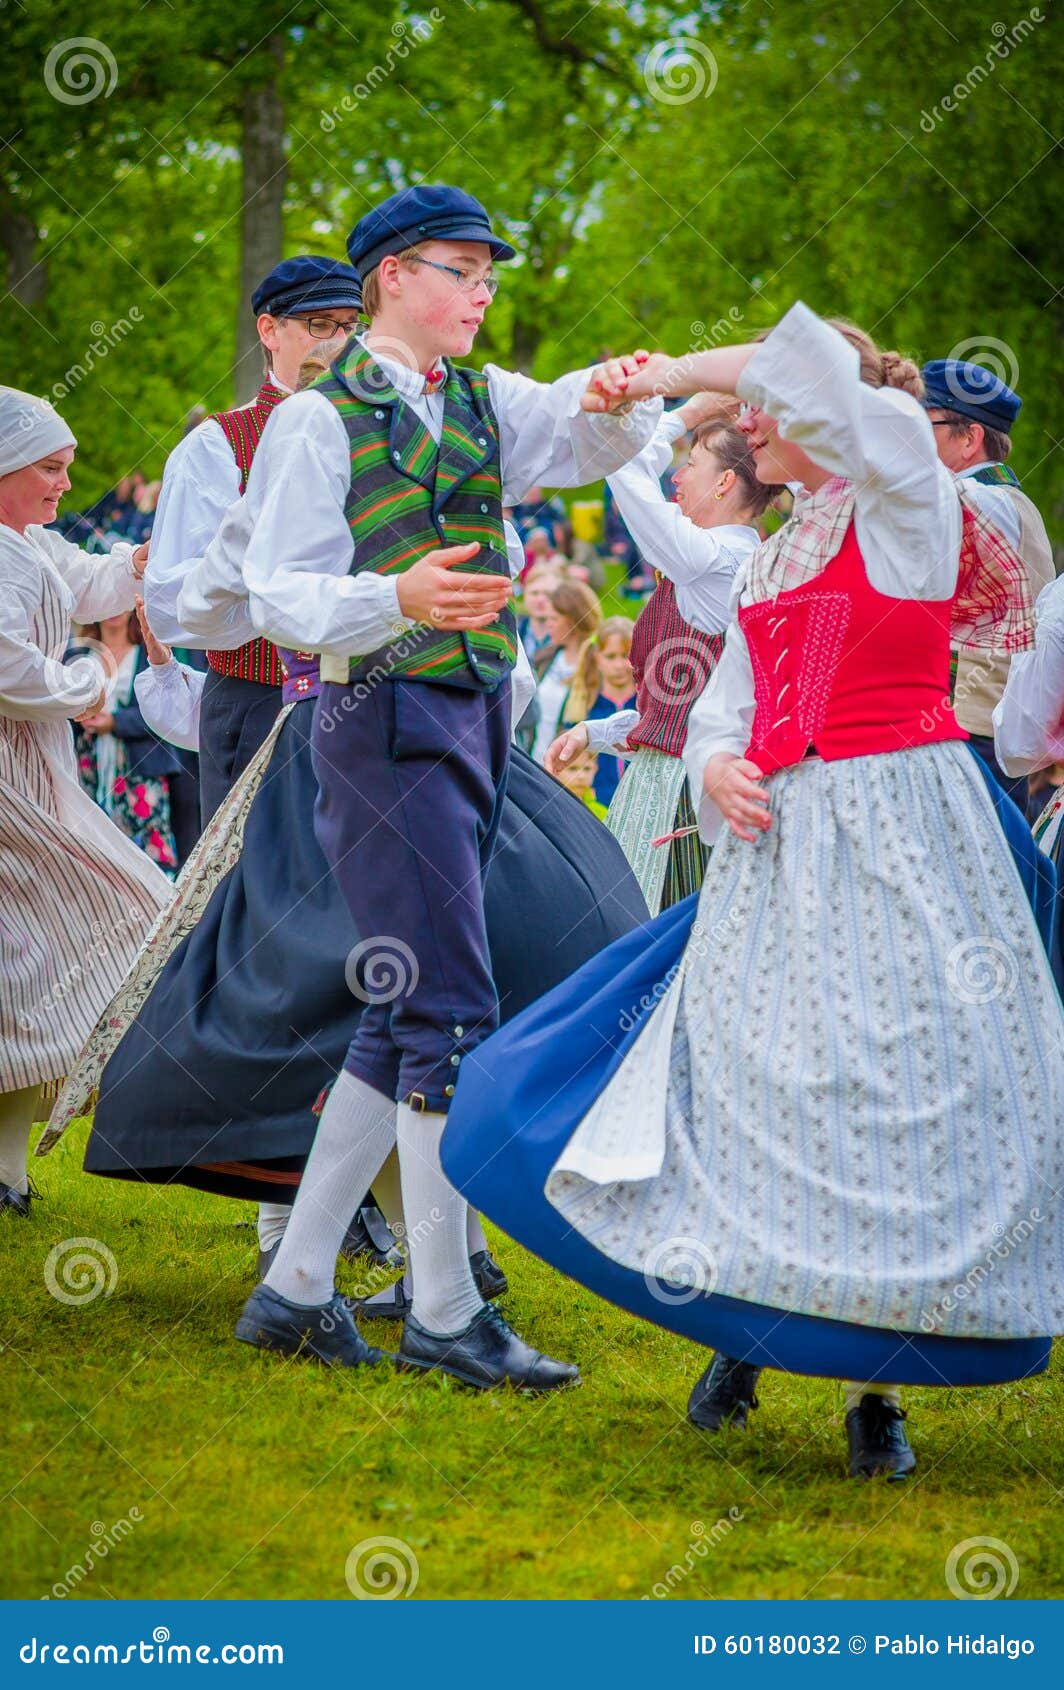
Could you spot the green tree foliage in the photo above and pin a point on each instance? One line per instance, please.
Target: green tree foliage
(673, 175)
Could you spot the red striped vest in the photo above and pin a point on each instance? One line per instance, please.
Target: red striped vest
(671, 662)
(242, 427)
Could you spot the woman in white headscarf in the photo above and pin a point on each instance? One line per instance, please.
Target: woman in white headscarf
(76, 897)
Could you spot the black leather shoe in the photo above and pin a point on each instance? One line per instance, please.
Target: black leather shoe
(393, 1303)
(327, 1333)
(723, 1395)
(487, 1353)
(878, 1443)
(370, 1235)
(14, 1202)
(491, 1281)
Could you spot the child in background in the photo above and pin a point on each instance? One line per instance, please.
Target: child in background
(579, 777)
(602, 685)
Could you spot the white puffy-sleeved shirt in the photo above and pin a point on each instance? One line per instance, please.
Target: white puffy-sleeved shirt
(1029, 716)
(33, 684)
(700, 562)
(200, 482)
(169, 697)
(298, 556)
(907, 514)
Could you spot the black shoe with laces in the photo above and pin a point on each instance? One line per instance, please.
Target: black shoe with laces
(489, 1352)
(878, 1443)
(724, 1394)
(370, 1235)
(14, 1202)
(325, 1333)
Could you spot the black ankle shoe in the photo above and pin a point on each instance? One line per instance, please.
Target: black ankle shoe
(14, 1202)
(370, 1235)
(487, 1353)
(490, 1279)
(878, 1444)
(725, 1393)
(327, 1333)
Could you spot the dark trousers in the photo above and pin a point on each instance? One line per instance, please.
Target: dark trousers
(235, 717)
(411, 777)
(1016, 788)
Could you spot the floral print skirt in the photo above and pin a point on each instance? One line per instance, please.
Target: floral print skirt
(140, 807)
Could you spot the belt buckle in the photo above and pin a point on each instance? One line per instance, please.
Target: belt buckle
(418, 1102)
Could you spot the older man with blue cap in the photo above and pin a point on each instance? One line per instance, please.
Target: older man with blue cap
(302, 303)
(403, 460)
(972, 411)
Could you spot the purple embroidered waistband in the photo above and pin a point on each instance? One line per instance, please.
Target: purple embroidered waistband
(302, 679)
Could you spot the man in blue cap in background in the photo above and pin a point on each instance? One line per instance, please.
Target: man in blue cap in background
(972, 412)
(393, 469)
(301, 303)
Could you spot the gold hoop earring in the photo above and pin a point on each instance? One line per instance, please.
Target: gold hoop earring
(718, 494)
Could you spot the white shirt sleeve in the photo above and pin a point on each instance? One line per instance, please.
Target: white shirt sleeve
(1029, 716)
(299, 549)
(610, 733)
(212, 600)
(200, 482)
(907, 515)
(721, 720)
(169, 697)
(700, 562)
(545, 438)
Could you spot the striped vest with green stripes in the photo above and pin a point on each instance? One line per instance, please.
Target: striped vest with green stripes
(408, 496)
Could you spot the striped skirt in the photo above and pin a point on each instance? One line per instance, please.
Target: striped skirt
(653, 799)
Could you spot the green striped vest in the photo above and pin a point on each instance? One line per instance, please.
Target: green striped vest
(408, 496)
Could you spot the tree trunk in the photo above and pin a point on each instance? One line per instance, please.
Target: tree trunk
(27, 278)
(262, 209)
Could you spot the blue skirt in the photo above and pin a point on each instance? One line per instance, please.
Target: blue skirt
(517, 1107)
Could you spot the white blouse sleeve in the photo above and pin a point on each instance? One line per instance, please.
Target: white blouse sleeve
(102, 585)
(908, 515)
(1029, 716)
(33, 685)
(200, 482)
(721, 720)
(545, 438)
(610, 733)
(700, 562)
(169, 697)
(299, 549)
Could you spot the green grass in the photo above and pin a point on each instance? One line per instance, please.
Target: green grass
(256, 1477)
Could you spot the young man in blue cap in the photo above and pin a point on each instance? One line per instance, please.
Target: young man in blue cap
(302, 302)
(395, 467)
(972, 412)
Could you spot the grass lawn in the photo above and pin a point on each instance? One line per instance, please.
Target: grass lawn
(242, 1475)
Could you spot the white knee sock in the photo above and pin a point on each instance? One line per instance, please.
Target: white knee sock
(474, 1232)
(855, 1391)
(445, 1296)
(355, 1133)
(272, 1221)
(17, 1114)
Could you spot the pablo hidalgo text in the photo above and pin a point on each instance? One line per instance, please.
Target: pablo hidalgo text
(955, 1643)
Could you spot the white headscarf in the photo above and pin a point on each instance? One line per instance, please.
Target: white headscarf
(30, 428)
